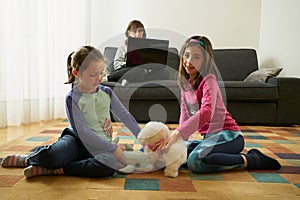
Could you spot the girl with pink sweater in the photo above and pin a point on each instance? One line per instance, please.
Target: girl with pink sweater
(203, 111)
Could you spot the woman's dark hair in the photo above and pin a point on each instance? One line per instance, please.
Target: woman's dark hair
(134, 24)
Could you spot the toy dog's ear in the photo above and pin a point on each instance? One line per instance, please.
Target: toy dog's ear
(141, 141)
(166, 130)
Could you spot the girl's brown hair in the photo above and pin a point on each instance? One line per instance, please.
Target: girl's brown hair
(208, 67)
(80, 59)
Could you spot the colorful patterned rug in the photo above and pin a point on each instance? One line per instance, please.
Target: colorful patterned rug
(282, 143)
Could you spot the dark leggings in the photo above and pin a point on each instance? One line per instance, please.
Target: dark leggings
(219, 157)
(131, 74)
(139, 74)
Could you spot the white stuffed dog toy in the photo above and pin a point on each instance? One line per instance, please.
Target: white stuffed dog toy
(154, 132)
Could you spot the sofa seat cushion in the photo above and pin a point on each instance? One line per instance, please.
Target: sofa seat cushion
(249, 91)
(147, 90)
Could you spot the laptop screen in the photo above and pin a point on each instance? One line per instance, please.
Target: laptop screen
(142, 51)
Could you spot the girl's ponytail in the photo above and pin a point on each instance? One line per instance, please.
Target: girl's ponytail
(71, 77)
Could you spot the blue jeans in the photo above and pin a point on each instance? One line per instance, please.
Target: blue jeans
(70, 154)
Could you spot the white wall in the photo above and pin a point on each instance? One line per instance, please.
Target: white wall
(230, 23)
(280, 36)
(269, 26)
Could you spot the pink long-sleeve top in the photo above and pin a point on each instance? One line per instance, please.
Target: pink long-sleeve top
(203, 110)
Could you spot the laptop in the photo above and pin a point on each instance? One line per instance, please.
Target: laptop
(141, 51)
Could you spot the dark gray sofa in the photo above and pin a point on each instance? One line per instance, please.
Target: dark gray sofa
(275, 102)
(155, 98)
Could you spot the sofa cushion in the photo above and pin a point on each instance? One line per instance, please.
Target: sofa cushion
(147, 90)
(235, 64)
(109, 55)
(249, 91)
(262, 75)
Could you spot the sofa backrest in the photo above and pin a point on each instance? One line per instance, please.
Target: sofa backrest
(172, 60)
(235, 64)
(109, 54)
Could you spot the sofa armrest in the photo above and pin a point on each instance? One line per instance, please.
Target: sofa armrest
(288, 107)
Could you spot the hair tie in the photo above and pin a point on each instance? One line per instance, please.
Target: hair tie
(198, 41)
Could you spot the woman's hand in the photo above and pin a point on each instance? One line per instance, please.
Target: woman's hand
(165, 145)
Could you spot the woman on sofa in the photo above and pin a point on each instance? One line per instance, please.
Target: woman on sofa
(203, 111)
(135, 29)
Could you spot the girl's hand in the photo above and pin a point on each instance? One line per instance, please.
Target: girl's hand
(119, 156)
(165, 145)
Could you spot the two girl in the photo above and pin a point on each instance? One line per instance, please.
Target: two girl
(86, 148)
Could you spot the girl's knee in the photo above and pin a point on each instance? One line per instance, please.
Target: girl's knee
(196, 164)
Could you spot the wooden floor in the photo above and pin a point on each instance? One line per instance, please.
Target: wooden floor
(12, 133)
(280, 142)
